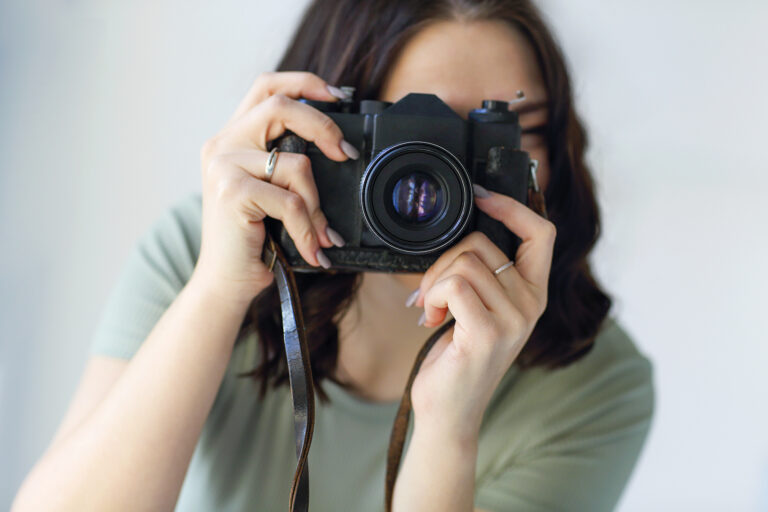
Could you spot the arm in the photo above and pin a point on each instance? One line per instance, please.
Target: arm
(496, 306)
(132, 451)
(438, 472)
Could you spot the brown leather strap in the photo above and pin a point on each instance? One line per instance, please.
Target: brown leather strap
(299, 372)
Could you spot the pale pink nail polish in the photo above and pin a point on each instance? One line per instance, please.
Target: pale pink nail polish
(349, 150)
(336, 92)
(411, 300)
(322, 259)
(422, 319)
(480, 191)
(334, 236)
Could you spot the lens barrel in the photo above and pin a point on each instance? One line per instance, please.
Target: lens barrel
(416, 197)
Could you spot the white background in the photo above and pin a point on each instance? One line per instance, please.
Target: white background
(104, 106)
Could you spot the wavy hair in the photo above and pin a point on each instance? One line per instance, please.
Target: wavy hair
(355, 43)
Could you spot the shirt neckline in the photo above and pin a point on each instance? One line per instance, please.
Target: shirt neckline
(358, 406)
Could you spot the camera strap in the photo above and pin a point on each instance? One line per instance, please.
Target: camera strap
(300, 371)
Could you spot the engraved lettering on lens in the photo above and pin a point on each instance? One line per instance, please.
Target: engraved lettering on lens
(417, 198)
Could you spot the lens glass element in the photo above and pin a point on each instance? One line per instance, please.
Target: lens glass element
(417, 197)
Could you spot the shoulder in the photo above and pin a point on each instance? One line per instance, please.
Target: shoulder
(567, 438)
(159, 265)
(178, 229)
(607, 392)
(613, 363)
(171, 245)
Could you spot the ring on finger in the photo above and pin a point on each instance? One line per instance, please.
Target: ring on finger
(503, 267)
(270, 167)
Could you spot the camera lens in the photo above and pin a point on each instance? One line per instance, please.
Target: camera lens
(417, 197)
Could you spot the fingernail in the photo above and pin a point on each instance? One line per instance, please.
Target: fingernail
(349, 150)
(336, 92)
(322, 259)
(422, 319)
(411, 300)
(480, 191)
(335, 238)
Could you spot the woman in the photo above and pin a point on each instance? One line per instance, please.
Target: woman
(535, 400)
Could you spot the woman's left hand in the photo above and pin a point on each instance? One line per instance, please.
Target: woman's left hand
(495, 315)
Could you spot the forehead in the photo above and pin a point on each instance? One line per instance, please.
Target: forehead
(464, 63)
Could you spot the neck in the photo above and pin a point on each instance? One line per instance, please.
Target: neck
(379, 338)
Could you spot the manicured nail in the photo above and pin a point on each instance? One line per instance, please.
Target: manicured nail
(335, 238)
(422, 318)
(336, 92)
(322, 259)
(411, 300)
(349, 150)
(480, 191)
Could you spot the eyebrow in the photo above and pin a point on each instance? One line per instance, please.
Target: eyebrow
(527, 108)
(540, 129)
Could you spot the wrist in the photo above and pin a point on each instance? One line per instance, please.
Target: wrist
(462, 440)
(456, 423)
(220, 296)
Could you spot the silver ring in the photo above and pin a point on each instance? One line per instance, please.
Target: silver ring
(271, 161)
(503, 267)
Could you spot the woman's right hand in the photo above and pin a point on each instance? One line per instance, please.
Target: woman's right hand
(237, 195)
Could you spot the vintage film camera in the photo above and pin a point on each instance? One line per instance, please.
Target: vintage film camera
(409, 196)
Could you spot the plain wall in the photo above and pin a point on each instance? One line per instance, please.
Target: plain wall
(104, 107)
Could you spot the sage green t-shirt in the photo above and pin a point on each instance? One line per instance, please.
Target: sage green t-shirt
(563, 439)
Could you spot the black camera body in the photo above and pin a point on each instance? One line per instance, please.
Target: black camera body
(409, 196)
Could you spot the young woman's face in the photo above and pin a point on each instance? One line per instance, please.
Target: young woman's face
(466, 62)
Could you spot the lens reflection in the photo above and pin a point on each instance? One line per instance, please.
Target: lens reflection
(417, 198)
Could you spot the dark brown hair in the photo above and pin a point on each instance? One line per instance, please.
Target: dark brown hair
(348, 42)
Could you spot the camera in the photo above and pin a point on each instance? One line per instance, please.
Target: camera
(409, 197)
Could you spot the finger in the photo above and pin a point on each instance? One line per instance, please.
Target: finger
(468, 265)
(278, 113)
(295, 174)
(475, 242)
(534, 256)
(261, 199)
(456, 294)
(293, 171)
(505, 293)
(294, 84)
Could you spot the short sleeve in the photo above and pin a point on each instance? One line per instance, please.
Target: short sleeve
(581, 450)
(154, 273)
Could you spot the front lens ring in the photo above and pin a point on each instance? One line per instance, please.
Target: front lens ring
(445, 227)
